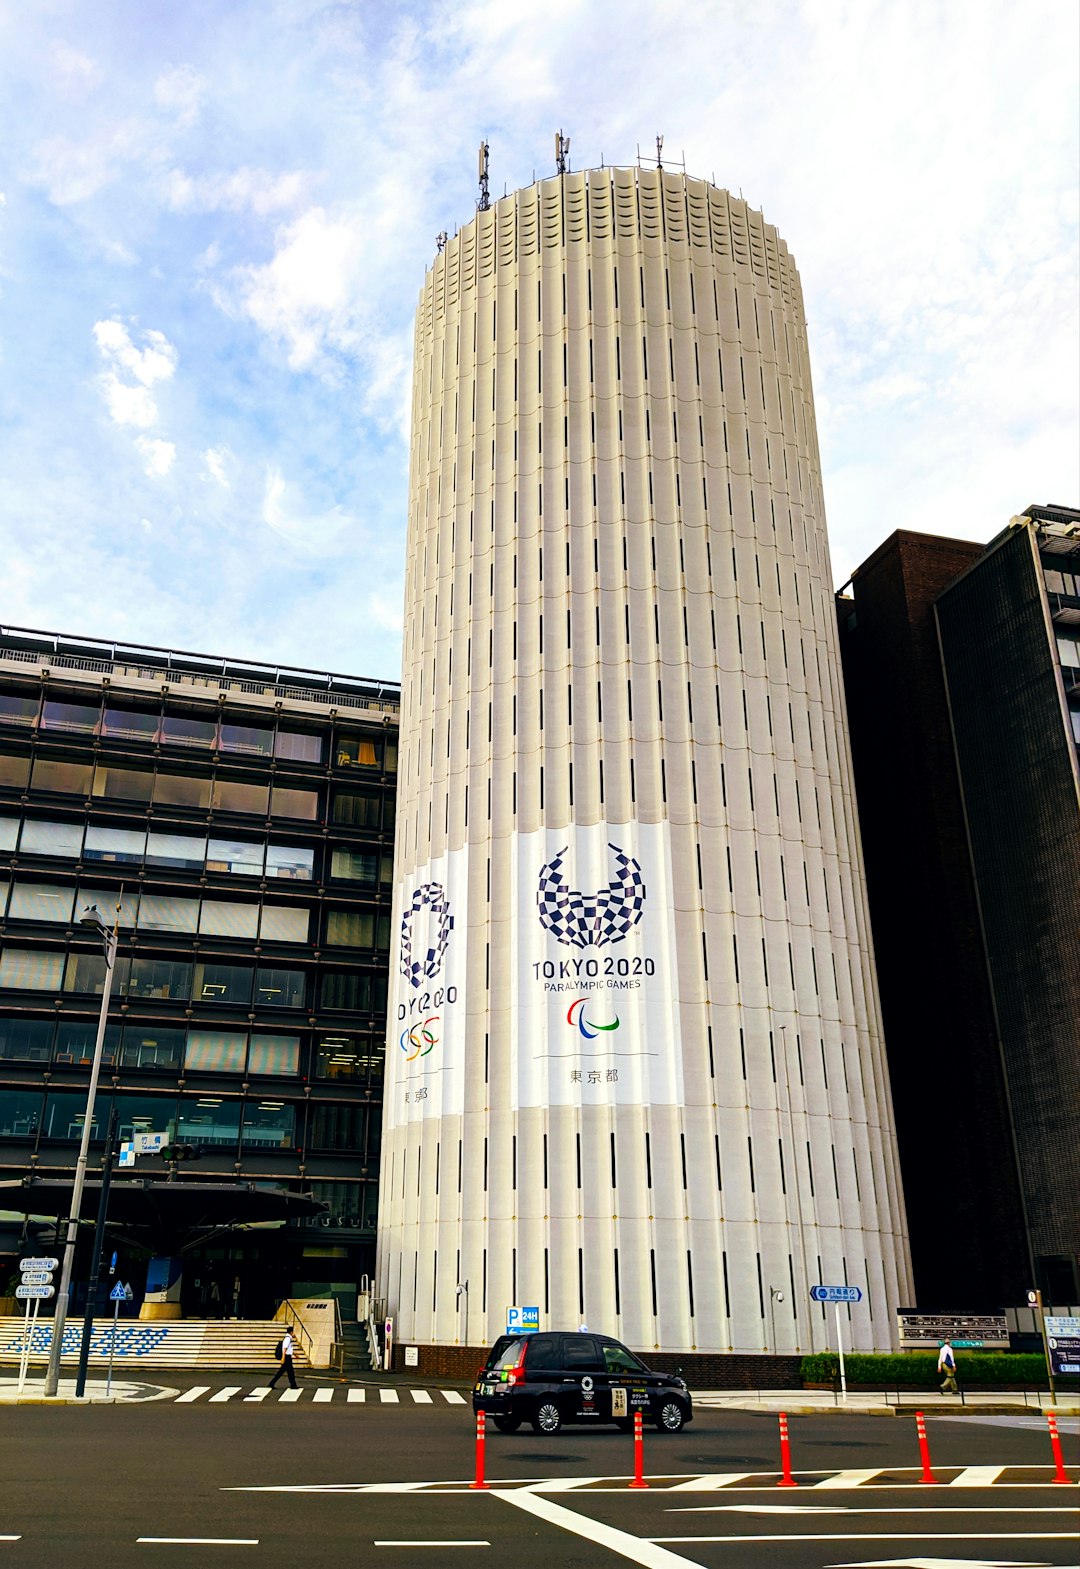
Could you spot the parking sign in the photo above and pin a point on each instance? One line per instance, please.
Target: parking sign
(522, 1320)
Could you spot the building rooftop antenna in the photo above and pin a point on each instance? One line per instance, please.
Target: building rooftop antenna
(562, 153)
(441, 240)
(659, 152)
(484, 201)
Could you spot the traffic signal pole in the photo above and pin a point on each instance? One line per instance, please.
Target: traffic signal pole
(95, 1263)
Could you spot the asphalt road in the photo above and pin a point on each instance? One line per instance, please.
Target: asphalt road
(86, 1486)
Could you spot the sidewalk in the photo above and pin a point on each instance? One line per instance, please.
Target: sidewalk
(821, 1402)
(33, 1393)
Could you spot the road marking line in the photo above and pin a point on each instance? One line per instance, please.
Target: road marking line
(191, 1394)
(977, 1476)
(10, 1538)
(259, 1394)
(891, 1536)
(848, 1478)
(706, 1484)
(453, 1397)
(357, 1396)
(422, 1397)
(198, 1541)
(226, 1393)
(846, 1509)
(564, 1484)
(432, 1544)
(323, 1397)
(288, 1395)
(637, 1549)
(389, 1397)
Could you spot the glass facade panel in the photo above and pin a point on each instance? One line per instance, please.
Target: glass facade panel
(356, 811)
(64, 778)
(106, 900)
(123, 784)
(204, 1119)
(390, 758)
(144, 1113)
(40, 838)
(234, 795)
(182, 851)
(125, 845)
(20, 1113)
(350, 928)
(40, 902)
(5, 887)
(182, 790)
(220, 919)
(355, 751)
(269, 1125)
(337, 1128)
(215, 1051)
(297, 747)
(65, 1113)
(229, 983)
(26, 1040)
(284, 923)
(247, 739)
(162, 978)
(70, 716)
(9, 832)
(235, 856)
(26, 969)
(274, 1054)
(295, 803)
(353, 990)
(85, 972)
(17, 710)
(75, 1040)
(279, 988)
(340, 1058)
(291, 861)
(164, 913)
(130, 725)
(356, 866)
(151, 1046)
(386, 870)
(176, 730)
(14, 771)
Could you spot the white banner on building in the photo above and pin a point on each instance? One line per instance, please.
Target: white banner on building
(593, 971)
(425, 1055)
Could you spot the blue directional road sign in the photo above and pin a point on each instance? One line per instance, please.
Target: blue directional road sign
(836, 1293)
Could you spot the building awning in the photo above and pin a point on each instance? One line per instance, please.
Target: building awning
(164, 1213)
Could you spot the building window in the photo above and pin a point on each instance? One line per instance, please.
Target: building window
(40, 902)
(274, 1054)
(337, 1128)
(70, 716)
(119, 845)
(284, 923)
(122, 784)
(144, 1113)
(14, 771)
(351, 751)
(295, 746)
(25, 969)
(63, 839)
(26, 1040)
(9, 832)
(279, 988)
(295, 803)
(209, 1051)
(268, 1124)
(20, 1113)
(247, 740)
(178, 731)
(294, 862)
(235, 856)
(353, 866)
(340, 1058)
(227, 983)
(353, 991)
(165, 913)
(64, 778)
(182, 790)
(356, 811)
(65, 1114)
(209, 1119)
(76, 1038)
(16, 710)
(219, 919)
(129, 725)
(110, 905)
(163, 979)
(351, 928)
(149, 1046)
(85, 972)
(182, 852)
(234, 795)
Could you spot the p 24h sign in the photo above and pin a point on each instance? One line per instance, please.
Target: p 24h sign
(836, 1293)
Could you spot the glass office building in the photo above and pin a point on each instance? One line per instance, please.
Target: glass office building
(238, 822)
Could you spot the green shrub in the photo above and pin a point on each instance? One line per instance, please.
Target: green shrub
(918, 1370)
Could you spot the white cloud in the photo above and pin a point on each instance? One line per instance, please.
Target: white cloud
(156, 362)
(309, 295)
(217, 460)
(74, 74)
(256, 189)
(314, 533)
(180, 91)
(128, 405)
(158, 456)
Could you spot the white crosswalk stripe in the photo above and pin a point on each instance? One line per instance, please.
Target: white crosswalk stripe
(227, 1393)
(323, 1396)
(357, 1396)
(192, 1394)
(452, 1397)
(421, 1397)
(290, 1394)
(389, 1397)
(320, 1395)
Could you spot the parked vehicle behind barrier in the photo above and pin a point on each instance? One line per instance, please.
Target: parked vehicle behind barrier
(549, 1379)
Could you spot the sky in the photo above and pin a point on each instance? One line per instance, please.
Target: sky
(216, 217)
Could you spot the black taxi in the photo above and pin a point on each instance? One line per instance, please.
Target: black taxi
(548, 1379)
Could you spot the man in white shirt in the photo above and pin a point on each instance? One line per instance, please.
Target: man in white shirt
(946, 1363)
(287, 1344)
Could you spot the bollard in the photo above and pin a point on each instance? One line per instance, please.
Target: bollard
(924, 1449)
(480, 1441)
(1060, 1474)
(639, 1454)
(787, 1480)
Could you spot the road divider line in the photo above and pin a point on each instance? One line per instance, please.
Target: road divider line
(639, 1550)
(191, 1394)
(884, 1536)
(432, 1544)
(197, 1541)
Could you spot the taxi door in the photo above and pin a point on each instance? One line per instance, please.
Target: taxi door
(585, 1379)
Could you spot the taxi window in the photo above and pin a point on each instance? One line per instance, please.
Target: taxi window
(582, 1354)
(618, 1360)
(505, 1353)
(544, 1354)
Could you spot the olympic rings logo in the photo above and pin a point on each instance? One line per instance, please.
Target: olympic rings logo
(418, 1041)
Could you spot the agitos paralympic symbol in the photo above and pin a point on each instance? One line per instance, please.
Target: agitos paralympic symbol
(419, 1040)
(587, 1027)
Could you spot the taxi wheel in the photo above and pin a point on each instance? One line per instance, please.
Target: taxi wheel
(671, 1416)
(548, 1418)
(507, 1424)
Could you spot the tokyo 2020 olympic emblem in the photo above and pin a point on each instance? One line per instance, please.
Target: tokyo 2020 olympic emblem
(429, 896)
(593, 920)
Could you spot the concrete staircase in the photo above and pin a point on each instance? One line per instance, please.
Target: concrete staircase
(191, 1343)
(357, 1352)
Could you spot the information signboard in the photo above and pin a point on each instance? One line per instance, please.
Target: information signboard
(966, 1331)
(836, 1293)
(522, 1320)
(1063, 1344)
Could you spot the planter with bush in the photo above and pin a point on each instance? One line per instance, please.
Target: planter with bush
(918, 1370)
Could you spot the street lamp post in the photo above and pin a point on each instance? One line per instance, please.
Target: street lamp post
(463, 1291)
(90, 917)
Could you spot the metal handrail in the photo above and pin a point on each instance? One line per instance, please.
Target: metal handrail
(297, 1327)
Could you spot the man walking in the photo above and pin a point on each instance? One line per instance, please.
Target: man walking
(946, 1363)
(286, 1360)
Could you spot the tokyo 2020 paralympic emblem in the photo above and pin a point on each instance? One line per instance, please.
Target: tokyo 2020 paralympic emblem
(429, 896)
(580, 920)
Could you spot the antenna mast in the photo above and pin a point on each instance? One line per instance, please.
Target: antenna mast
(659, 152)
(485, 199)
(562, 153)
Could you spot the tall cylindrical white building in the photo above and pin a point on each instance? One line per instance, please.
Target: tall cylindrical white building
(635, 1075)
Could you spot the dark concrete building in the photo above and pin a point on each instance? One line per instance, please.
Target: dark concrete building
(977, 956)
(240, 818)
